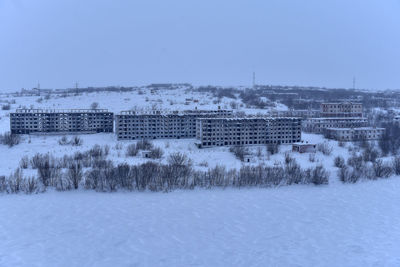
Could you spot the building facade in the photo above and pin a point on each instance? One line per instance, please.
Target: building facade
(318, 125)
(354, 134)
(131, 125)
(212, 132)
(304, 113)
(26, 121)
(344, 109)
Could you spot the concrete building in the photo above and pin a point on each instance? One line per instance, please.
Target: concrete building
(302, 147)
(131, 125)
(299, 113)
(354, 134)
(26, 121)
(318, 125)
(344, 109)
(247, 131)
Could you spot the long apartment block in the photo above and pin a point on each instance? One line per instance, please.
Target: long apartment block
(131, 125)
(26, 121)
(342, 109)
(318, 125)
(212, 132)
(354, 134)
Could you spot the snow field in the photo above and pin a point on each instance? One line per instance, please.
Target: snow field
(349, 225)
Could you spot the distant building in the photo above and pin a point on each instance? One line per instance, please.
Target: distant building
(302, 147)
(130, 125)
(26, 121)
(305, 113)
(247, 131)
(344, 109)
(318, 125)
(354, 134)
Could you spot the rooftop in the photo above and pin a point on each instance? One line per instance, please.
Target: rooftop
(356, 129)
(61, 110)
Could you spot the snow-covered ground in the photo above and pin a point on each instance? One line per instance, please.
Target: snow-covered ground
(346, 225)
(333, 225)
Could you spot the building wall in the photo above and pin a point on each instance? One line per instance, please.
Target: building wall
(346, 109)
(355, 134)
(247, 131)
(52, 121)
(132, 126)
(318, 125)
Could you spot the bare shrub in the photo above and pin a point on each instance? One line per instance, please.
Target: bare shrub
(106, 150)
(339, 162)
(75, 174)
(94, 105)
(6, 107)
(382, 170)
(356, 162)
(24, 162)
(325, 148)
(288, 158)
(96, 152)
(10, 139)
(396, 165)
(319, 175)
(15, 181)
(348, 175)
(273, 148)
(3, 184)
(31, 185)
(118, 146)
(204, 163)
(311, 157)
(370, 153)
(131, 150)
(239, 151)
(63, 141)
(144, 145)
(156, 153)
(294, 174)
(63, 182)
(76, 141)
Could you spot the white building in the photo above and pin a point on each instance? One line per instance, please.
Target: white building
(354, 134)
(318, 125)
(130, 125)
(247, 131)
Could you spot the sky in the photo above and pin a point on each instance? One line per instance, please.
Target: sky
(217, 42)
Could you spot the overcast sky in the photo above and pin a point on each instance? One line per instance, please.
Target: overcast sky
(132, 42)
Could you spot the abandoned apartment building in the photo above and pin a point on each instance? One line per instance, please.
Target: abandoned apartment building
(26, 121)
(212, 132)
(354, 134)
(341, 109)
(318, 125)
(131, 125)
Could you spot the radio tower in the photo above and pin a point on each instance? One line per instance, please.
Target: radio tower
(254, 79)
(354, 82)
(76, 87)
(38, 88)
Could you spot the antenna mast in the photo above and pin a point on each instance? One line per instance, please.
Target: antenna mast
(76, 87)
